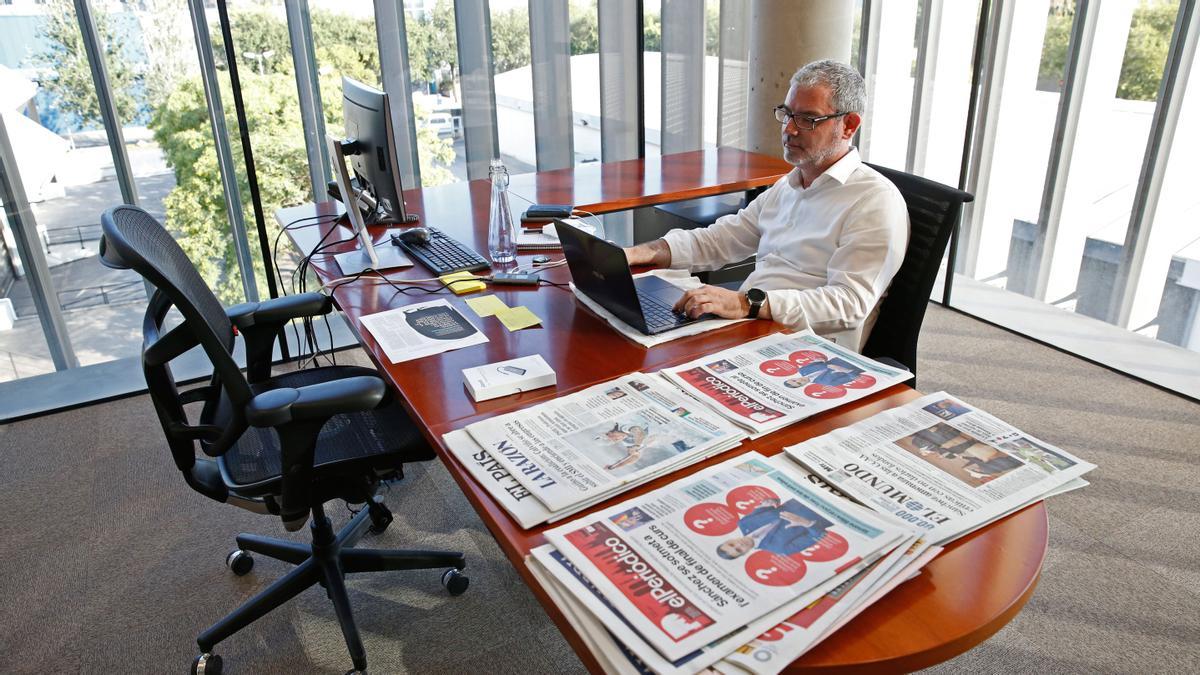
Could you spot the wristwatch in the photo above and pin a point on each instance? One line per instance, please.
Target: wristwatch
(756, 297)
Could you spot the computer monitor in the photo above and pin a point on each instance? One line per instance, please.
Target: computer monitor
(372, 152)
(366, 256)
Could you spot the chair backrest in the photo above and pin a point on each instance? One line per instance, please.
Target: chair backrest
(132, 239)
(934, 211)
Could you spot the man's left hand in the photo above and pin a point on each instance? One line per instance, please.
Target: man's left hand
(714, 300)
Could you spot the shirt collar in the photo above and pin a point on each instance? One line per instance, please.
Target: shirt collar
(839, 171)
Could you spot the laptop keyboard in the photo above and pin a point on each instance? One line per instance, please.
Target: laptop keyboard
(660, 315)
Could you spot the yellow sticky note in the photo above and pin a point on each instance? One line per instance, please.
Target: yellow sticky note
(516, 318)
(486, 305)
(461, 282)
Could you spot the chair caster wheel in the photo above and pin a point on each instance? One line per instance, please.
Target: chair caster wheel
(240, 562)
(455, 581)
(206, 664)
(380, 519)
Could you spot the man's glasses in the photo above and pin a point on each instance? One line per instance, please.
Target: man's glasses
(802, 122)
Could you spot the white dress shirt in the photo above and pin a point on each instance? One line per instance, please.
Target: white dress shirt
(826, 253)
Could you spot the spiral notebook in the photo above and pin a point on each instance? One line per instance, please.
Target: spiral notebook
(528, 240)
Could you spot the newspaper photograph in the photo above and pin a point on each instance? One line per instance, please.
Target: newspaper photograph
(940, 464)
(582, 447)
(778, 379)
(690, 563)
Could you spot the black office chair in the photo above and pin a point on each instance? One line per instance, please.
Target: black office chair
(280, 445)
(933, 213)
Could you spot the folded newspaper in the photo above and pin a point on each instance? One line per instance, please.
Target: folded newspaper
(561, 456)
(764, 646)
(771, 382)
(686, 574)
(940, 464)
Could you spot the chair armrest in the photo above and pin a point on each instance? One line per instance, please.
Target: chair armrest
(315, 402)
(276, 311)
(297, 414)
(262, 322)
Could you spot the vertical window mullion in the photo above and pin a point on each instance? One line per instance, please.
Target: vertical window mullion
(682, 76)
(108, 108)
(216, 118)
(391, 36)
(33, 259)
(1176, 77)
(308, 91)
(473, 26)
(619, 27)
(550, 51)
(733, 70)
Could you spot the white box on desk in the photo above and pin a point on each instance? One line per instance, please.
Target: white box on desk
(508, 377)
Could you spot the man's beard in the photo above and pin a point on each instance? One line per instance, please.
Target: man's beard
(809, 157)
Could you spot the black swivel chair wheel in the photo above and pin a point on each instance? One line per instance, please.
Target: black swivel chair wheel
(239, 561)
(207, 664)
(455, 581)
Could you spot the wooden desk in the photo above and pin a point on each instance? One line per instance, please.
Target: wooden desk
(925, 621)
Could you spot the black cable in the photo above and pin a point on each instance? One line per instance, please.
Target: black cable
(294, 225)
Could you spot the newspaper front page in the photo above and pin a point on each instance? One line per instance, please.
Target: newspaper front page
(773, 381)
(580, 448)
(690, 563)
(940, 464)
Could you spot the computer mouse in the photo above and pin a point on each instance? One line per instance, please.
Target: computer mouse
(416, 235)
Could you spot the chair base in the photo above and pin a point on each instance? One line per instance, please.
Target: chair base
(327, 561)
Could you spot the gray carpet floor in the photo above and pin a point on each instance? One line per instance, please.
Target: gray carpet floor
(109, 563)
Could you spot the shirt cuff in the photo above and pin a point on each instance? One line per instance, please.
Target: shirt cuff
(786, 308)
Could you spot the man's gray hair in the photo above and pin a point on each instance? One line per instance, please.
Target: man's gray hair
(846, 86)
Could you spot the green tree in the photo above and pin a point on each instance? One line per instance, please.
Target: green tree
(1054, 47)
(712, 29)
(585, 38)
(64, 68)
(196, 207)
(510, 39)
(1146, 50)
(652, 31)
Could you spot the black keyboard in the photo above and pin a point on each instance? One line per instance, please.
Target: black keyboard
(442, 254)
(659, 316)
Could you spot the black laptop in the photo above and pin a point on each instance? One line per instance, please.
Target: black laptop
(601, 272)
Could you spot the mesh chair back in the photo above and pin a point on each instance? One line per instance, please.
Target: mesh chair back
(133, 239)
(933, 212)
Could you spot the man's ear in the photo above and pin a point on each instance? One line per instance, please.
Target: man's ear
(850, 124)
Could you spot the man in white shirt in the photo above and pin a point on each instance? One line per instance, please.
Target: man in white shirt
(829, 236)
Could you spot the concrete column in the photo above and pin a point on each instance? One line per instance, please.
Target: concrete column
(784, 35)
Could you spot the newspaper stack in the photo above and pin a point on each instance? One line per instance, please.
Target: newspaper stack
(771, 382)
(557, 458)
(944, 466)
(747, 552)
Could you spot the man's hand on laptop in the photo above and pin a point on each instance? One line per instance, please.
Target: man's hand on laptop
(655, 253)
(718, 301)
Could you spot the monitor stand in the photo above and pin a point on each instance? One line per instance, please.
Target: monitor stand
(387, 256)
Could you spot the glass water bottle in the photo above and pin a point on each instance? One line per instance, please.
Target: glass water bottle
(502, 238)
